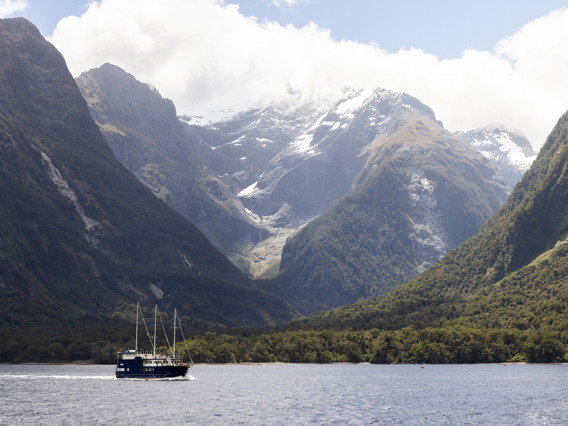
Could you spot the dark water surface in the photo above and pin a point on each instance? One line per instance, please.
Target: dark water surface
(289, 394)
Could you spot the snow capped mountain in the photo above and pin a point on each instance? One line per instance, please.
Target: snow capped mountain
(251, 181)
(509, 151)
(318, 166)
(421, 191)
(240, 148)
(288, 166)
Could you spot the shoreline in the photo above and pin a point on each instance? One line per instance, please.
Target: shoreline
(258, 364)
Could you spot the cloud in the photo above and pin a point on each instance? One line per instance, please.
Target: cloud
(206, 56)
(9, 7)
(289, 3)
(279, 3)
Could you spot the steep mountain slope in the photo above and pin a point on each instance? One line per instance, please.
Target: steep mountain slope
(422, 191)
(241, 147)
(146, 136)
(513, 274)
(80, 238)
(319, 166)
(289, 165)
(239, 150)
(509, 151)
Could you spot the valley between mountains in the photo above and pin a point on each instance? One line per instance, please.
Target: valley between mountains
(253, 182)
(382, 236)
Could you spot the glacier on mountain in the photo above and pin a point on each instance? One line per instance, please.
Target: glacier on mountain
(509, 151)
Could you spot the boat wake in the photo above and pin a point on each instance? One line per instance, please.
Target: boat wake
(71, 377)
(61, 377)
(164, 379)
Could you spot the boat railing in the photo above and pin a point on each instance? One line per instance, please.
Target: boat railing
(150, 355)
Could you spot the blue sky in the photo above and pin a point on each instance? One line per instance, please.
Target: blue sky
(473, 62)
(442, 27)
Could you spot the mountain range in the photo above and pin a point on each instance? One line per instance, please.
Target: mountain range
(359, 195)
(511, 275)
(249, 182)
(277, 169)
(253, 181)
(81, 239)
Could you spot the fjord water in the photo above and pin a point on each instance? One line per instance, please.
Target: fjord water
(289, 394)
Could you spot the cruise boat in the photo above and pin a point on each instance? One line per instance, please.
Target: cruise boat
(145, 364)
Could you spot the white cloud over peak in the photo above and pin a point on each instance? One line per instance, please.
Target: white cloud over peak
(9, 7)
(205, 56)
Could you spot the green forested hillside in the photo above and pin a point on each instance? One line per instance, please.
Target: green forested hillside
(422, 192)
(501, 296)
(81, 240)
(513, 274)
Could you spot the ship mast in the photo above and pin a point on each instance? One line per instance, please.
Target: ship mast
(137, 309)
(155, 325)
(174, 351)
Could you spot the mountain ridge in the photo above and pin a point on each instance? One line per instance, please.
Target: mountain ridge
(422, 191)
(145, 134)
(508, 150)
(83, 240)
(511, 275)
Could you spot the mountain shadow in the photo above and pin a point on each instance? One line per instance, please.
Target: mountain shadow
(146, 136)
(81, 240)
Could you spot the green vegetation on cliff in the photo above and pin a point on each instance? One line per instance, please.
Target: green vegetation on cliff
(513, 275)
(81, 240)
(422, 192)
(501, 296)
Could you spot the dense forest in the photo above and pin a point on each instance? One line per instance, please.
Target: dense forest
(455, 344)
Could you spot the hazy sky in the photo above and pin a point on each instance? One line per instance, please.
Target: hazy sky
(474, 63)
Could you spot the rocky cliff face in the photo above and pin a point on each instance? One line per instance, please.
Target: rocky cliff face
(146, 136)
(81, 240)
(509, 151)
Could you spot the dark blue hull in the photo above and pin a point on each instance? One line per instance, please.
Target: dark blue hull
(134, 369)
(158, 373)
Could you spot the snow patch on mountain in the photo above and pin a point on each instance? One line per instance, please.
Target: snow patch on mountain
(264, 140)
(429, 233)
(347, 107)
(502, 147)
(510, 151)
(302, 144)
(248, 190)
